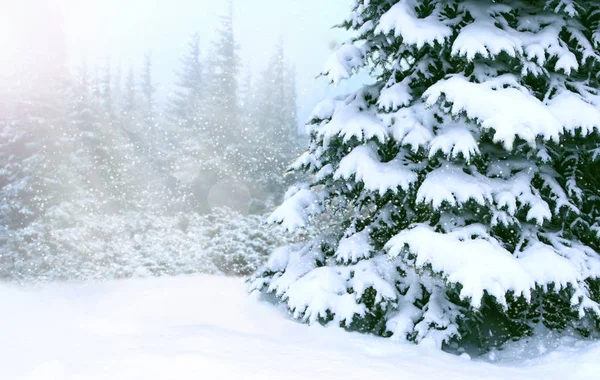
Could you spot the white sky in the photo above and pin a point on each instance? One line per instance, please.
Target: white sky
(126, 29)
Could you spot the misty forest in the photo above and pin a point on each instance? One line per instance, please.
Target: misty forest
(100, 180)
(436, 214)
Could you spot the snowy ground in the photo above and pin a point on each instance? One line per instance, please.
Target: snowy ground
(207, 328)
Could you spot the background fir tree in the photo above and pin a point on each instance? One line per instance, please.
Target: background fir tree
(456, 175)
(272, 140)
(131, 117)
(222, 110)
(37, 137)
(147, 92)
(117, 90)
(248, 102)
(85, 118)
(191, 156)
(156, 135)
(186, 104)
(106, 83)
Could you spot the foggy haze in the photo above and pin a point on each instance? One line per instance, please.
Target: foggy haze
(151, 137)
(126, 30)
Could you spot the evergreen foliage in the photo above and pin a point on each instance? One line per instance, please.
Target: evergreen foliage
(134, 244)
(463, 176)
(147, 92)
(187, 102)
(270, 138)
(223, 106)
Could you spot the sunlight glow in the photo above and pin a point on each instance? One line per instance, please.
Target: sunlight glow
(30, 34)
(12, 18)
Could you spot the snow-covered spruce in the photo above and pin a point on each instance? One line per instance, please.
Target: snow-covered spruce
(467, 166)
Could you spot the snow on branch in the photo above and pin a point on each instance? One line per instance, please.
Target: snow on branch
(574, 112)
(354, 120)
(470, 257)
(344, 62)
(452, 185)
(403, 21)
(354, 247)
(498, 104)
(364, 164)
(395, 96)
(453, 140)
(300, 204)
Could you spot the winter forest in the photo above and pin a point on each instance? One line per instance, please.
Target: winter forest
(436, 214)
(90, 155)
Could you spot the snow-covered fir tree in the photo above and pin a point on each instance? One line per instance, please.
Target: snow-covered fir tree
(186, 103)
(191, 161)
(131, 117)
(248, 100)
(276, 130)
(153, 130)
(106, 83)
(117, 89)
(270, 126)
(85, 117)
(222, 109)
(148, 93)
(462, 175)
(36, 137)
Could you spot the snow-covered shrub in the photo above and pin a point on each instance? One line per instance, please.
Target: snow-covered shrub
(135, 244)
(467, 165)
(101, 246)
(239, 244)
